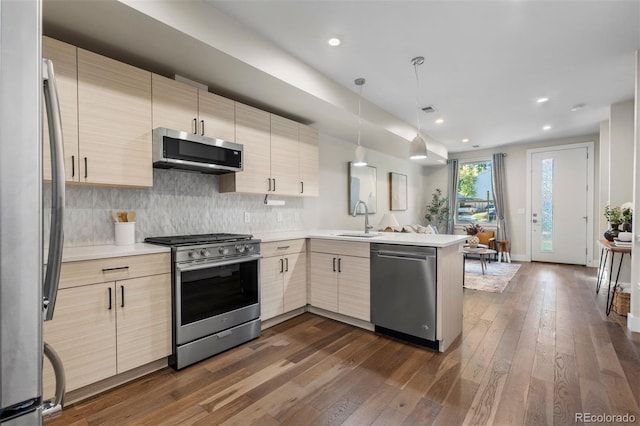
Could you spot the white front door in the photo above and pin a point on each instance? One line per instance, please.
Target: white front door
(559, 206)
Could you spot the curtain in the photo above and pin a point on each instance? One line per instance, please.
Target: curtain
(499, 195)
(452, 192)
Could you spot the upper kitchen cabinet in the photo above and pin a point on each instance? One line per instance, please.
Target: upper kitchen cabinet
(253, 131)
(114, 119)
(179, 106)
(309, 159)
(284, 157)
(280, 155)
(65, 64)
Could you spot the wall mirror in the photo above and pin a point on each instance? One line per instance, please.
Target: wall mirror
(362, 186)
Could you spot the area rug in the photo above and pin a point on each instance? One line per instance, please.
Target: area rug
(496, 276)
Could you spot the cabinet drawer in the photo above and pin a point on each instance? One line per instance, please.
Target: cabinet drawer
(347, 248)
(84, 272)
(278, 248)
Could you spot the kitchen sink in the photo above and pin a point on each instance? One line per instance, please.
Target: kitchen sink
(359, 234)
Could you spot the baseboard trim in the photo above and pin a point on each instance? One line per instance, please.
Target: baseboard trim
(282, 318)
(633, 323)
(81, 394)
(342, 318)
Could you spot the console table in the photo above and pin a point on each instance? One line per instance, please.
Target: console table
(606, 248)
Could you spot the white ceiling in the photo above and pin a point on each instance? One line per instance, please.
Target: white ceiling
(486, 61)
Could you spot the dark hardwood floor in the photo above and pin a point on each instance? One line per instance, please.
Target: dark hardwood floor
(538, 353)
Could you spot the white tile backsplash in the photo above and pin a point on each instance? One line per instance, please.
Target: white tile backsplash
(179, 203)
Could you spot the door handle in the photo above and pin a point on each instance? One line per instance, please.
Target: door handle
(110, 298)
(281, 266)
(286, 259)
(202, 127)
(122, 298)
(339, 264)
(334, 264)
(195, 126)
(73, 166)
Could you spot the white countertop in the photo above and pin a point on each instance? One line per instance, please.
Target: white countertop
(74, 254)
(404, 238)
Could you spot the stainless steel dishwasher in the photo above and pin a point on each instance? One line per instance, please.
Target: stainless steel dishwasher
(403, 292)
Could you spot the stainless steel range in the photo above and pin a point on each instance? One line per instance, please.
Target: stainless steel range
(216, 293)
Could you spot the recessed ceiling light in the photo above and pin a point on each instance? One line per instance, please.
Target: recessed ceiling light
(334, 41)
(577, 107)
(547, 127)
(440, 121)
(465, 140)
(542, 100)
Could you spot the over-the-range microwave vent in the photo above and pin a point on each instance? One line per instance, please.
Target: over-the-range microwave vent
(174, 149)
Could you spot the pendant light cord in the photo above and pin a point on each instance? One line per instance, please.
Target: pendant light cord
(415, 68)
(359, 113)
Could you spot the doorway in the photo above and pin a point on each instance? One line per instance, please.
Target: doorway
(560, 200)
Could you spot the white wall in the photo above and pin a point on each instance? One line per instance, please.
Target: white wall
(633, 319)
(603, 176)
(331, 211)
(621, 128)
(516, 166)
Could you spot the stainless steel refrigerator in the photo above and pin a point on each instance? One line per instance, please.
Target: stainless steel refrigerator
(26, 298)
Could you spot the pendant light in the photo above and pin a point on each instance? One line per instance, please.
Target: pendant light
(360, 158)
(418, 147)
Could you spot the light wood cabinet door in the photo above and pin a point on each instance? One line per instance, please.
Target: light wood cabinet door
(217, 116)
(271, 287)
(309, 161)
(253, 132)
(115, 122)
(324, 282)
(295, 281)
(175, 104)
(65, 68)
(354, 294)
(83, 333)
(284, 156)
(143, 307)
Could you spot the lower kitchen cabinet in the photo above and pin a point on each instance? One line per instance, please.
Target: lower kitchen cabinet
(283, 277)
(340, 282)
(103, 329)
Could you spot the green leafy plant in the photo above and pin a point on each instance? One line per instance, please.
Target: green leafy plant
(438, 210)
(613, 215)
(473, 229)
(627, 215)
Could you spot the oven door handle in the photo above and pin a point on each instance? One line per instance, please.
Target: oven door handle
(192, 267)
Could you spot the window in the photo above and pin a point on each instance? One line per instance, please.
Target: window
(474, 201)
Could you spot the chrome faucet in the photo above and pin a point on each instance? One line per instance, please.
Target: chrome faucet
(366, 215)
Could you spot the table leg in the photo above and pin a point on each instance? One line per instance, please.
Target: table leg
(482, 265)
(613, 256)
(603, 263)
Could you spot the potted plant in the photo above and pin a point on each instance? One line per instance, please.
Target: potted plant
(627, 218)
(438, 210)
(614, 217)
(472, 230)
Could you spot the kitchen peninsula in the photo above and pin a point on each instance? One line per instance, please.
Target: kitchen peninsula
(339, 280)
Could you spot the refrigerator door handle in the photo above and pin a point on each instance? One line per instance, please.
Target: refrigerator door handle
(56, 236)
(55, 405)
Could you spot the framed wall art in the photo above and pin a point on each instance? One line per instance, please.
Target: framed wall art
(397, 191)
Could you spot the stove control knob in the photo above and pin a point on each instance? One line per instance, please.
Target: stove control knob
(240, 248)
(192, 254)
(204, 252)
(248, 247)
(223, 250)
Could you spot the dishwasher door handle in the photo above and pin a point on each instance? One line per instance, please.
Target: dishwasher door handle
(403, 255)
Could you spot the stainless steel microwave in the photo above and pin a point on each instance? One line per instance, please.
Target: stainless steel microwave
(173, 149)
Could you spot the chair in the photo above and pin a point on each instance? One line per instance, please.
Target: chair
(488, 238)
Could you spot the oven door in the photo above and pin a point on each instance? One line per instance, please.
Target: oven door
(214, 296)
